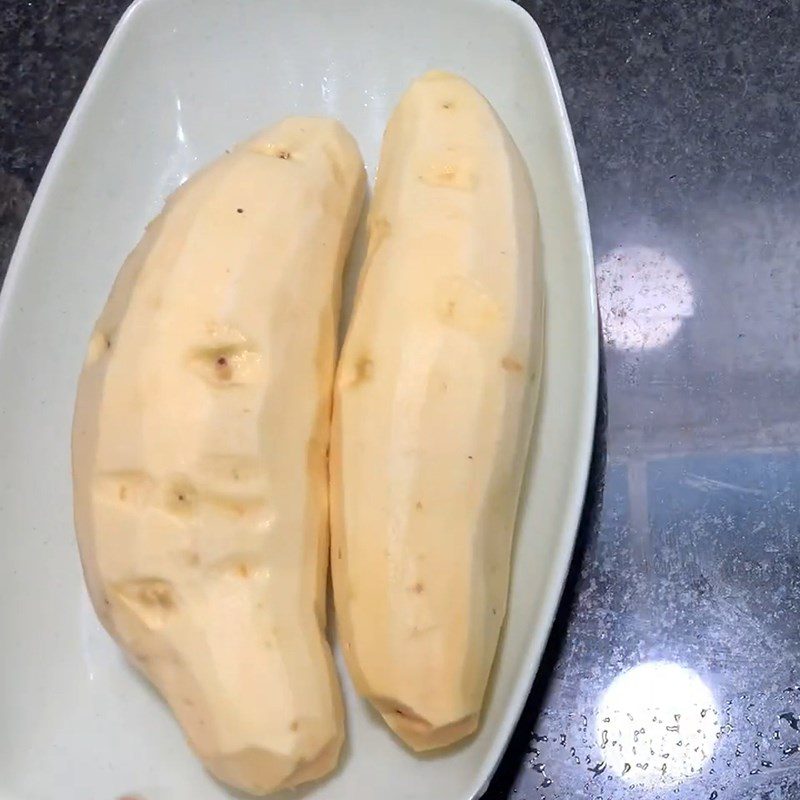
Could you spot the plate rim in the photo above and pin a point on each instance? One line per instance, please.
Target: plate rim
(588, 411)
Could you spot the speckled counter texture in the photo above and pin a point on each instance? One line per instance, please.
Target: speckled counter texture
(673, 669)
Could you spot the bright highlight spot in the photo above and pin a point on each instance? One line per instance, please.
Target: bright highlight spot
(644, 296)
(657, 724)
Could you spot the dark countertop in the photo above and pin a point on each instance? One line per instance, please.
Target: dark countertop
(672, 670)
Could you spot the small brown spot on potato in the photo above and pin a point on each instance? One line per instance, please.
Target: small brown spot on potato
(363, 370)
(239, 568)
(419, 505)
(511, 364)
(448, 104)
(99, 344)
(418, 588)
(466, 304)
(127, 486)
(224, 371)
(157, 594)
(294, 726)
(339, 553)
(280, 150)
(451, 171)
(379, 231)
(181, 497)
(151, 600)
(226, 365)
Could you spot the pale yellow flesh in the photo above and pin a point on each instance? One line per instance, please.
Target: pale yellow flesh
(199, 452)
(433, 409)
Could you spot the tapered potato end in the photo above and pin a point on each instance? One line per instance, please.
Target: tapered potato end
(418, 733)
(261, 772)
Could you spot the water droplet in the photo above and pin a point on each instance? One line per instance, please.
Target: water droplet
(537, 738)
(766, 763)
(562, 739)
(538, 767)
(794, 722)
(713, 795)
(626, 768)
(546, 782)
(598, 769)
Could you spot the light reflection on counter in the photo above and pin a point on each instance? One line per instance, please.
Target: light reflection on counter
(645, 295)
(657, 724)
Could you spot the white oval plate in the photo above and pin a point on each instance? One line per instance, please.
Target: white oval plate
(178, 82)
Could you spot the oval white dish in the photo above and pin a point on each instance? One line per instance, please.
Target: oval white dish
(178, 82)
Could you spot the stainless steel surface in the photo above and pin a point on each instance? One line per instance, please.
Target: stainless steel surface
(672, 671)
